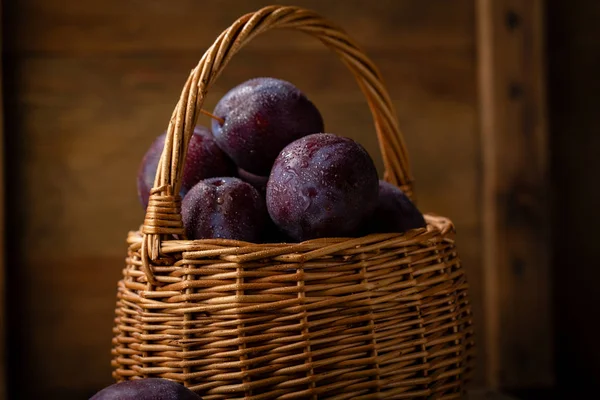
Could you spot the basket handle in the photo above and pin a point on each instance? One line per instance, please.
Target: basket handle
(163, 214)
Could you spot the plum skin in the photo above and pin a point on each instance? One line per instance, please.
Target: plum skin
(226, 208)
(322, 185)
(146, 389)
(261, 116)
(204, 160)
(259, 182)
(271, 233)
(395, 212)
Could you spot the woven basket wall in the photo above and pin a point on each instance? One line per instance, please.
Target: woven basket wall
(386, 316)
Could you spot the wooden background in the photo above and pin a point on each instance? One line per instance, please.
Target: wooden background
(88, 85)
(574, 89)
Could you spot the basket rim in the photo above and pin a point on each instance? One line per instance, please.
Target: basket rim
(437, 228)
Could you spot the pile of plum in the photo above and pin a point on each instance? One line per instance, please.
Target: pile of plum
(266, 172)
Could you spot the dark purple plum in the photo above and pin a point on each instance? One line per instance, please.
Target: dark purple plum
(226, 208)
(204, 160)
(322, 185)
(146, 389)
(259, 182)
(394, 212)
(262, 116)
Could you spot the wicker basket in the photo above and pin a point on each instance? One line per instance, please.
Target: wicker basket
(381, 316)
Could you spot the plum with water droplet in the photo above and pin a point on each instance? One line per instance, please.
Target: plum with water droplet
(395, 212)
(322, 185)
(261, 116)
(226, 208)
(146, 389)
(204, 160)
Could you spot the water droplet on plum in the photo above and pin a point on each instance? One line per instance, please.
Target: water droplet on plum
(226, 208)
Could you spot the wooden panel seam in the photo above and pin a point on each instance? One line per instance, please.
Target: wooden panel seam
(515, 211)
(486, 70)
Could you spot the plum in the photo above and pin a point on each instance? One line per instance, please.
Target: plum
(322, 185)
(261, 116)
(226, 208)
(204, 160)
(394, 212)
(146, 389)
(259, 182)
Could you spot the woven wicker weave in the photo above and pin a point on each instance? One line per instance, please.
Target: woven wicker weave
(382, 316)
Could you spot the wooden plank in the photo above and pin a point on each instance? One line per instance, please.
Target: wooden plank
(142, 27)
(515, 193)
(574, 89)
(66, 329)
(487, 118)
(488, 395)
